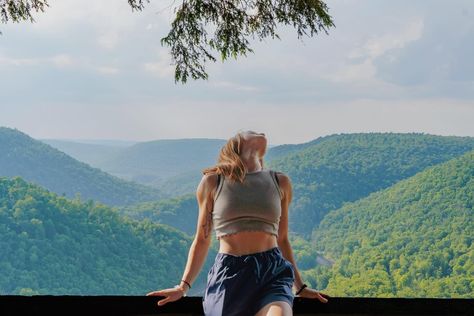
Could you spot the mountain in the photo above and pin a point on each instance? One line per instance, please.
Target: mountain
(413, 239)
(334, 170)
(172, 166)
(343, 168)
(56, 246)
(21, 155)
(179, 212)
(157, 161)
(91, 154)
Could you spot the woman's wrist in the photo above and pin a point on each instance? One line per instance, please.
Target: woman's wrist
(297, 285)
(300, 289)
(186, 282)
(182, 288)
(185, 285)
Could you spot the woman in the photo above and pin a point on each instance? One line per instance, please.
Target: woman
(254, 270)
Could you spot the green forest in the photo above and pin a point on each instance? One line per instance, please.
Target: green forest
(347, 167)
(37, 162)
(53, 245)
(414, 239)
(373, 214)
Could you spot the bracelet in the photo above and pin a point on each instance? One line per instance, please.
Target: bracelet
(186, 283)
(302, 287)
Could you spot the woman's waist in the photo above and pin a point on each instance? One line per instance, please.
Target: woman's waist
(247, 242)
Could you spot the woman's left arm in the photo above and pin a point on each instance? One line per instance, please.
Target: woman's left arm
(283, 241)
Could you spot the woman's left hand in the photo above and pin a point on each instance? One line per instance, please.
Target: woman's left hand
(310, 293)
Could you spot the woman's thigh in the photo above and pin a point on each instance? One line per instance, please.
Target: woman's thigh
(276, 308)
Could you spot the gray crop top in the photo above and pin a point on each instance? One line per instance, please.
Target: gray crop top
(253, 205)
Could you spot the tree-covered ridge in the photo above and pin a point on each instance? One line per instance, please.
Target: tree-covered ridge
(414, 239)
(346, 167)
(21, 155)
(91, 154)
(286, 149)
(154, 162)
(180, 212)
(53, 245)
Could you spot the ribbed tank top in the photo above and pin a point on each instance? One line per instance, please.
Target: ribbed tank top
(253, 205)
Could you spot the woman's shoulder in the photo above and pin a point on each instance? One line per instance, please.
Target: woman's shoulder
(209, 181)
(277, 172)
(281, 177)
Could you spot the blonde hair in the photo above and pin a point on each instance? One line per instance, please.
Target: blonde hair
(229, 163)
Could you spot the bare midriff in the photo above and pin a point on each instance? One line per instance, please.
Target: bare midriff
(247, 242)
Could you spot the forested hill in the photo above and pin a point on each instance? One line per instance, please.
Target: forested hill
(53, 245)
(21, 155)
(173, 166)
(337, 184)
(414, 239)
(346, 167)
(180, 212)
(156, 161)
(91, 154)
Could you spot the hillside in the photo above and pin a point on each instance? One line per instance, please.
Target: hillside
(56, 246)
(180, 212)
(333, 170)
(414, 239)
(346, 167)
(91, 154)
(157, 161)
(21, 155)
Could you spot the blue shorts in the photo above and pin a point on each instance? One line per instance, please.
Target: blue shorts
(242, 285)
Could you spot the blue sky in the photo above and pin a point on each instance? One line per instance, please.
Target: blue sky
(96, 70)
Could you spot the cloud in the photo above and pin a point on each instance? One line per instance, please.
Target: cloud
(109, 39)
(9, 61)
(162, 67)
(359, 63)
(59, 61)
(234, 86)
(108, 70)
(440, 57)
(63, 60)
(399, 57)
(380, 44)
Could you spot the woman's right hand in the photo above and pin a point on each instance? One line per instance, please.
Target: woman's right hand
(172, 294)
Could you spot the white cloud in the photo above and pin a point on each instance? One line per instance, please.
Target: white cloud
(9, 61)
(105, 70)
(59, 61)
(379, 45)
(310, 88)
(63, 60)
(374, 47)
(162, 67)
(109, 39)
(110, 22)
(234, 86)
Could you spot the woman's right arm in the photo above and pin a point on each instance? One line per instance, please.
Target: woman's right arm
(202, 239)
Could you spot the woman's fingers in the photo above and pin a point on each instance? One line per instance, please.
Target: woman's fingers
(171, 295)
(321, 298)
(163, 301)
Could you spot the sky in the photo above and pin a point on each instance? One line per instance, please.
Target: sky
(89, 69)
